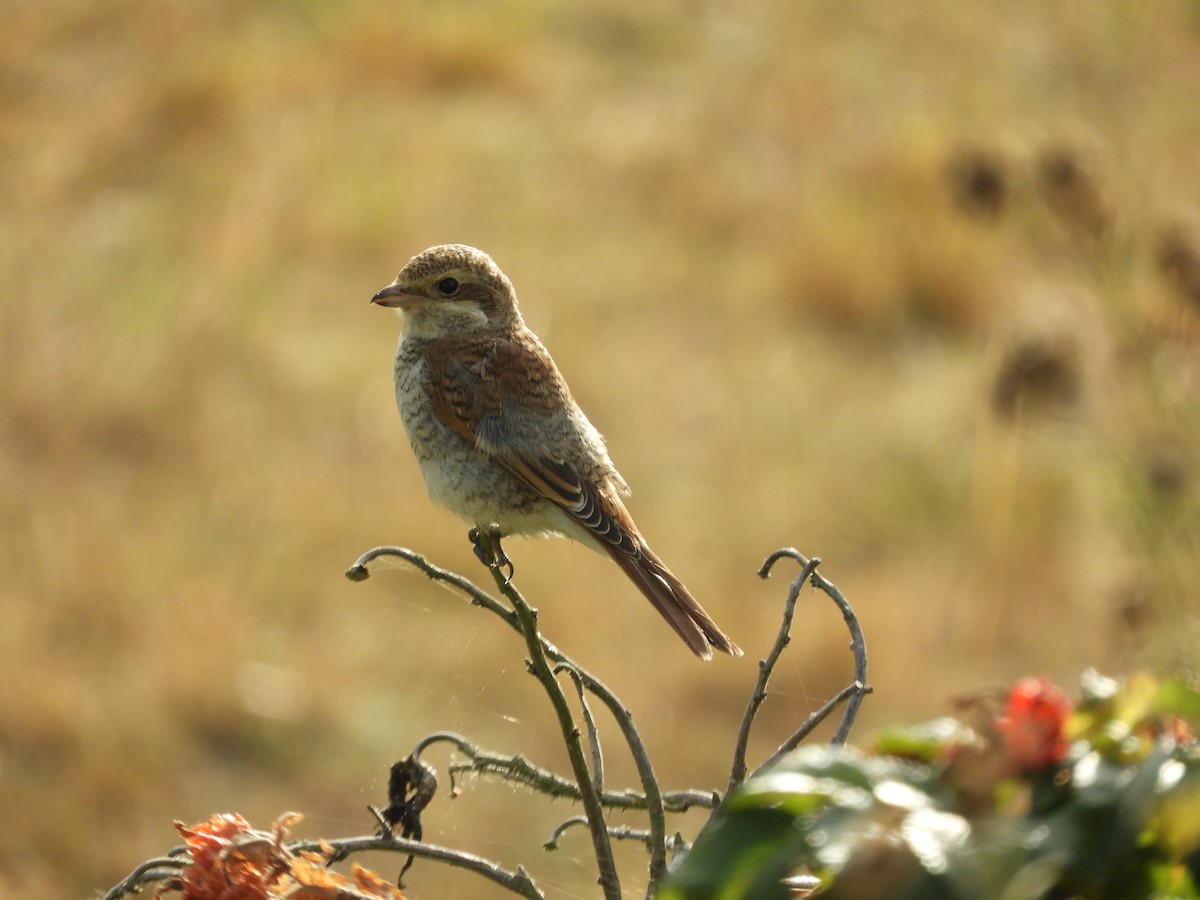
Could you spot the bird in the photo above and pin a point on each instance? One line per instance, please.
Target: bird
(499, 438)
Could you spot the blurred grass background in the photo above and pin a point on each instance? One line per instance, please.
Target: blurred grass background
(915, 288)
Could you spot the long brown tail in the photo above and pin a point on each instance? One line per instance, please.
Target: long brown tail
(673, 601)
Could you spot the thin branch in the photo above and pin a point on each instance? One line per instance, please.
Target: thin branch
(512, 769)
(858, 644)
(655, 810)
(539, 665)
(682, 801)
(653, 795)
(616, 832)
(589, 722)
(552, 841)
(477, 595)
(546, 662)
(163, 868)
(517, 881)
(856, 688)
(737, 773)
(520, 771)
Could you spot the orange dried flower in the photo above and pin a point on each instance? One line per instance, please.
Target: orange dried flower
(227, 862)
(232, 861)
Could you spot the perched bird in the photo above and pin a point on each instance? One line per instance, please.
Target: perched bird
(499, 438)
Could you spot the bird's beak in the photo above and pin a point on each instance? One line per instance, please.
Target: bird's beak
(393, 297)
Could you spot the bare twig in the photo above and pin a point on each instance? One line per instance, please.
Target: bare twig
(517, 881)
(552, 841)
(589, 722)
(653, 799)
(540, 667)
(546, 661)
(617, 832)
(737, 773)
(858, 644)
(856, 688)
(163, 868)
(169, 866)
(653, 795)
(477, 595)
(520, 771)
(853, 692)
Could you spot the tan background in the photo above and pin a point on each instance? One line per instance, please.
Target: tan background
(735, 226)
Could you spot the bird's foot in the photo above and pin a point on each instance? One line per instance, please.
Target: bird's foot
(490, 552)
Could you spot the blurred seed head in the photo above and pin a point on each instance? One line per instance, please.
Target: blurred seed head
(980, 180)
(1067, 176)
(1039, 374)
(1166, 471)
(1133, 612)
(1177, 253)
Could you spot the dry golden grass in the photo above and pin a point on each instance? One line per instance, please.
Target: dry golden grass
(914, 290)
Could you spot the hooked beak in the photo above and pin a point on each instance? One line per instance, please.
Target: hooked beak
(393, 297)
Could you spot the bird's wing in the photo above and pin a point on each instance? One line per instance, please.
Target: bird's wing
(506, 398)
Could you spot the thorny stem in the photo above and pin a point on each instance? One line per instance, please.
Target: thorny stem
(737, 773)
(617, 832)
(541, 668)
(589, 722)
(815, 719)
(654, 797)
(587, 787)
(152, 870)
(519, 770)
(477, 595)
(854, 692)
(653, 794)
(858, 644)
(637, 749)
(517, 881)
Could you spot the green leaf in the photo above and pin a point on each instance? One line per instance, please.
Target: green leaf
(752, 848)
(1172, 882)
(925, 742)
(1177, 697)
(1176, 818)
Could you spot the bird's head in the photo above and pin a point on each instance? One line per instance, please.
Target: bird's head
(451, 289)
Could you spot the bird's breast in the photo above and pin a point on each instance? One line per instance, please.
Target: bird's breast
(456, 474)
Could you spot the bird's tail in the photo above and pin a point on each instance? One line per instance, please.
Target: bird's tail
(673, 601)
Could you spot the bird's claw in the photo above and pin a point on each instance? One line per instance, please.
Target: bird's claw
(491, 553)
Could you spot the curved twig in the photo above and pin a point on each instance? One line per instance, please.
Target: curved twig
(539, 666)
(653, 798)
(853, 692)
(149, 872)
(857, 641)
(737, 772)
(517, 881)
(616, 832)
(518, 770)
(858, 644)
(477, 595)
(589, 722)
(856, 688)
(551, 842)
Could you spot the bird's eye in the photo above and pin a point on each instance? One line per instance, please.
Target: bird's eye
(448, 287)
